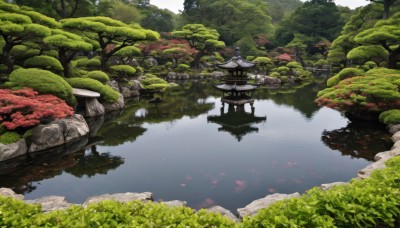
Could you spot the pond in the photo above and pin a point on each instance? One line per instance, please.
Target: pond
(187, 148)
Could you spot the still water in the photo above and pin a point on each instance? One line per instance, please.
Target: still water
(188, 148)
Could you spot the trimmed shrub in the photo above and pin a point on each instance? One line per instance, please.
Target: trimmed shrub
(9, 137)
(123, 70)
(152, 82)
(381, 71)
(25, 108)
(183, 67)
(275, 75)
(370, 65)
(99, 76)
(44, 62)
(294, 65)
(390, 117)
(108, 94)
(283, 70)
(343, 74)
(42, 81)
(23, 52)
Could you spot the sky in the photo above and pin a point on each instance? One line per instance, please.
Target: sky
(176, 5)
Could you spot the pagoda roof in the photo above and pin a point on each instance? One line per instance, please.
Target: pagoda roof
(237, 62)
(239, 88)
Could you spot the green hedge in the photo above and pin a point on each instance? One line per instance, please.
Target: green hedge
(343, 74)
(107, 93)
(43, 81)
(390, 117)
(99, 76)
(44, 62)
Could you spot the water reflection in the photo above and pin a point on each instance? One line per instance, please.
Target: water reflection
(236, 121)
(359, 139)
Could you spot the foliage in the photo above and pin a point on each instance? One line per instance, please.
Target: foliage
(25, 108)
(9, 138)
(160, 20)
(99, 76)
(233, 19)
(183, 67)
(107, 94)
(123, 71)
(372, 93)
(120, 10)
(42, 81)
(204, 40)
(152, 82)
(44, 62)
(343, 74)
(263, 63)
(390, 117)
(362, 54)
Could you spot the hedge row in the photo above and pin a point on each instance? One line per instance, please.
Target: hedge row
(373, 202)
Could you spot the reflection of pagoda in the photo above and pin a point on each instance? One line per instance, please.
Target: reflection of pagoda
(236, 82)
(237, 121)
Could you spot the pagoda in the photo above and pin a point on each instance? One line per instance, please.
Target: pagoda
(235, 87)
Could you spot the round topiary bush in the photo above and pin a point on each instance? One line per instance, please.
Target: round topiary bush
(182, 67)
(108, 94)
(42, 81)
(99, 76)
(390, 117)
(343, 74)
(123, 71)
(45, 63)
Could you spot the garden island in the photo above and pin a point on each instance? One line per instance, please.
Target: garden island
(112, 113)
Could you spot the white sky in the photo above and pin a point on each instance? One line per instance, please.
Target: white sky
(176, 5)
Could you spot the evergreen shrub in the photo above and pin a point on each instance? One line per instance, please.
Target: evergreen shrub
(390, 117)
(99, 76)
(107, 94)
(9, 138)
(44, 62)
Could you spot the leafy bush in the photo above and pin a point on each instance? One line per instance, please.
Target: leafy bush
(25, 108)
(390, 117)
(182, 67)
(107, 94)
(343, 74)
(152, 82)
(123, 71)
(362, 203)
(42, 81)
(283, 70)
(370, 65)
(44, 62)
(376, 93)
(294, 65)
(88, 63)
(275, 75)
(9, 137)
(23, 52)
(99, 76)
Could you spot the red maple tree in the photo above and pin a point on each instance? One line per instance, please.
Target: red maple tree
(26, 108)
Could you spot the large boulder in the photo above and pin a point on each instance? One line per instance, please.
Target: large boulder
(114, 84)
(58, 132)
(119, 104)
(379, 163)
(13, 150)
(223, 211)
(7, 192)
(51, 203)
(217, 74)
(396, 136)
(394, 128)
(120, 197)
(265, 202)
(171, 75)
(182, 76)
(131, 89)
(94, 107)
(271, 81)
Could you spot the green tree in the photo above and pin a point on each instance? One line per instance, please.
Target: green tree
(232, 18)
(386, 6)
(120, 10)
(385, 33)
(18, 26)
(204, 40)
(160, 20)
(111, 35)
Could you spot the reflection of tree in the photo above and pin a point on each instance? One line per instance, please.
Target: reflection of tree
(95, 163)
(300, 98)
(44, 166)
(237, 122)
(358, 139)
(116, 133)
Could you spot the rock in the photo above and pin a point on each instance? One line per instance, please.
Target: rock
(74, 127)
(119, 104)
(171, 75)
(94, 108)
(126, 92)
(396, 136)
(113, 84)
(271, 81)
(331, 185)
(225, 212)
(120, 197)
(7, 192)
(94, 124)
(259, 204)
(217, 74)
(131, 90)
(380, 159)
(134, 63)
(46, 136)
(396, 145)
(151, 61)
(394, 128)
(175, 203)
(13, 150)
(182, 76)
(85, 93)
(51, 203)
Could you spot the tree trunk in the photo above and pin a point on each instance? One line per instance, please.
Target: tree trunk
(196, 60)
(7, 57)
(62, 55)
(394, 57)
(386, 9)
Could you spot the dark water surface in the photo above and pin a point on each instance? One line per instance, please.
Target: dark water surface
(185, 149)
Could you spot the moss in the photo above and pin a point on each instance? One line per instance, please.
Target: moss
(107, 94)
(43, 81)
(99, 76)
(390, 117)
(27, 134)
(44, 62)
(9, 138)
